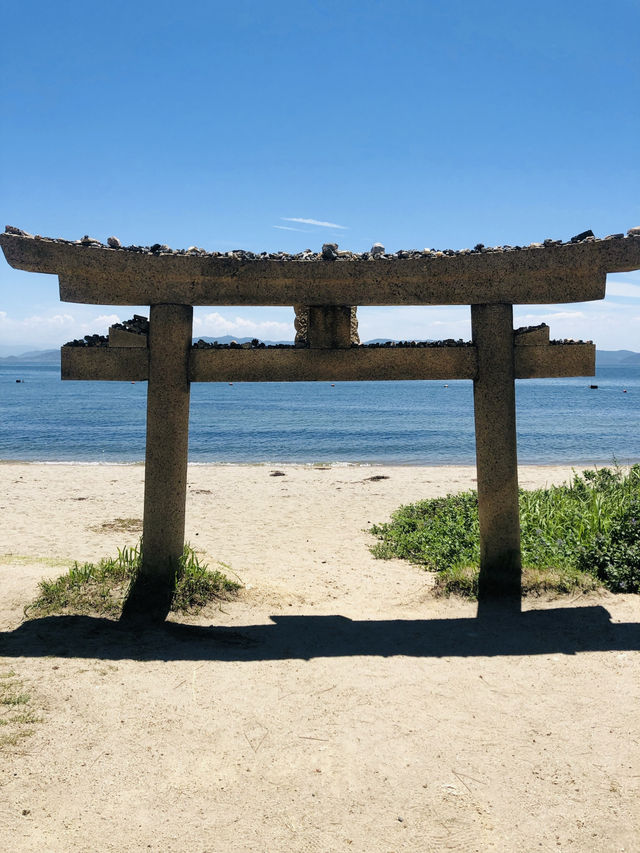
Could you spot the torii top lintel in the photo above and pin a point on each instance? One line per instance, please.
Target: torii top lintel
(96, 274)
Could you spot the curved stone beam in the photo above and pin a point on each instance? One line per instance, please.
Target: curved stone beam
(571, 272)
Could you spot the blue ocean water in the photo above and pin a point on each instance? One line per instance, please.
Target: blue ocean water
(403, 423)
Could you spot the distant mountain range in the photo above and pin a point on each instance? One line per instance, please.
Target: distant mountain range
(612, 358)
(604, 358)
(40, 356)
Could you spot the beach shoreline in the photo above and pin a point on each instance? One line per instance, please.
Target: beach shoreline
(574, 466)
(346, 707)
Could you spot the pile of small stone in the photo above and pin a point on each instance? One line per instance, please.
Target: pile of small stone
(90, 341)
(523, 330)
(254, 344)
(138, 324)
(329, 251)
(449, 342)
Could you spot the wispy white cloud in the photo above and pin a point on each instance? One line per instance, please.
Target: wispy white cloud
(621, 288)
(417, 322)
(317, 222)
(289, 228)
(50, 330)
(548, 316)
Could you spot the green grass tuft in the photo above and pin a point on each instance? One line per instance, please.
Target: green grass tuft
(16, 716)
(101, 588)
(574, 537)
(197, 585)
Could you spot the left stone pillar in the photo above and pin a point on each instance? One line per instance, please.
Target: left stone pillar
(165, 487)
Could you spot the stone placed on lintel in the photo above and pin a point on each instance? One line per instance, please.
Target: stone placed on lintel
(124, 338)
(273, 364)
(573, 272)
(528, 336)
(131, 333)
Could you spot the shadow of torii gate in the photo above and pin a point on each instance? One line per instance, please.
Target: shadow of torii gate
(172, 283)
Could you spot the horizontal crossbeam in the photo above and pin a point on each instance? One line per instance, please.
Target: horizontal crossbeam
(303, 365)
(104, 276)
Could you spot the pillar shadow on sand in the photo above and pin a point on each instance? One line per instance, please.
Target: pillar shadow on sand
(496, 630)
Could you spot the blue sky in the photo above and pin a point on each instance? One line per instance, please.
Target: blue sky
(284, 125)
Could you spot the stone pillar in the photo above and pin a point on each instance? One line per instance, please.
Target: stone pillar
(165, 487)
(496, 453)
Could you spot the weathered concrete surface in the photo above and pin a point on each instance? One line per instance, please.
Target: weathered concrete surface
(496, 452)
(130, 364)
(165, 483)
(303, 365)
(356, 364)
(323, 326)
(329, 326)
(556, 360)
(553, 274)
(528, 337)
(125, 338)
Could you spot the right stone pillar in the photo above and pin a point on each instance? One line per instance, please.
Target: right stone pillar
(496, 453)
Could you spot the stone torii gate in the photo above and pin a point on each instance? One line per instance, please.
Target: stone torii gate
(326, 288)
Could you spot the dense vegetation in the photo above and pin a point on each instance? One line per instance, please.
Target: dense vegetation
(575, 536)
(101, 588)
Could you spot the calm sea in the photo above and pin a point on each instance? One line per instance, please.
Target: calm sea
(405, 423)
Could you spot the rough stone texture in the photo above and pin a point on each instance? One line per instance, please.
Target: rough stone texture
(531, 335)
(165, 483)
(130, 364)
(355, 336)
(286, 364)
(328, 326)
(554, 361)
(301, 325)
(496, 452)
(325, 365)
(125, 338)
(548, 274)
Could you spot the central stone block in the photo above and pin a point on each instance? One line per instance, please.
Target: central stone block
(326, 326)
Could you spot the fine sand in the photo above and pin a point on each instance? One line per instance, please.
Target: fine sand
(336, 705)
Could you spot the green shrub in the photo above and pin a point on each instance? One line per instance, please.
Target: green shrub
(101, 588)
(571, 536)
(615, 557)
(440, 533)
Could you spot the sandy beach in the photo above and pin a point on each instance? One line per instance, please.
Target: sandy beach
(336, 705)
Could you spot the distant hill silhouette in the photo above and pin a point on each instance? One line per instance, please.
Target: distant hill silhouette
(612, 358)
(39, 356)
(226, 339)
